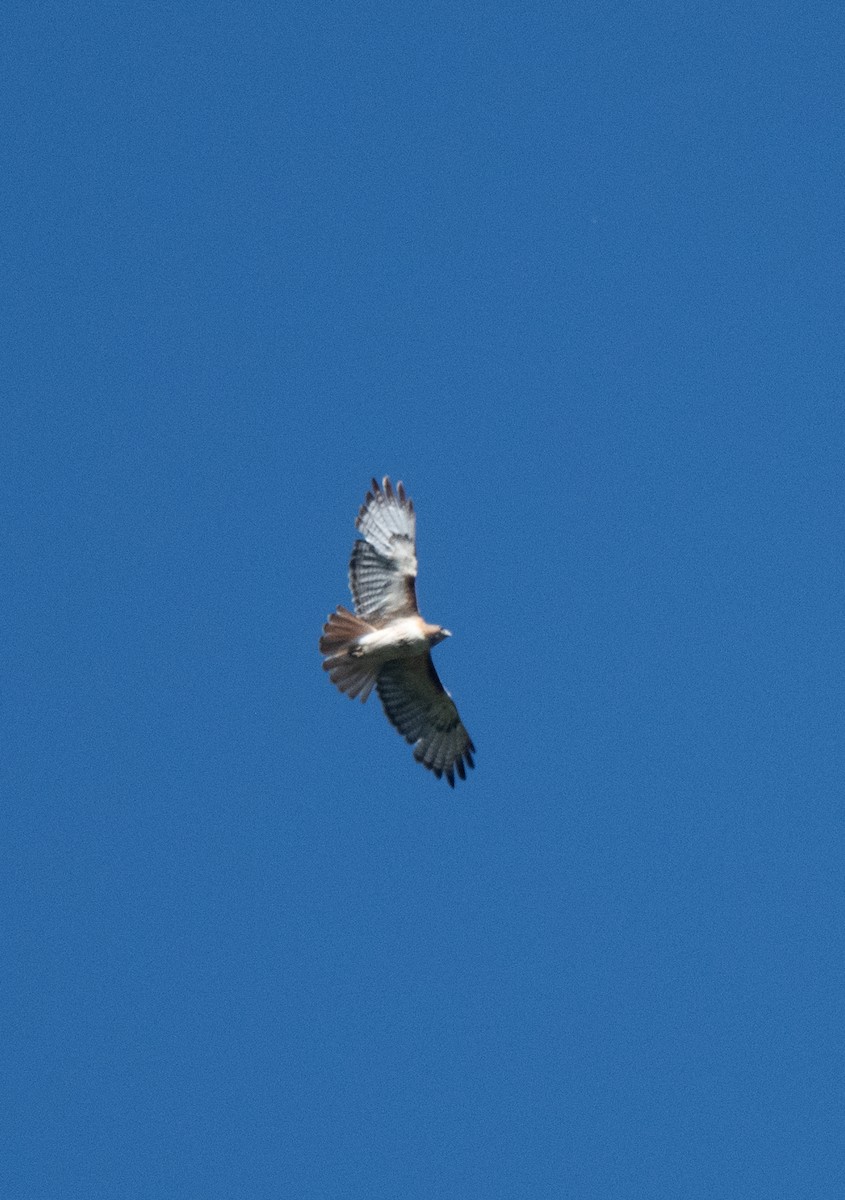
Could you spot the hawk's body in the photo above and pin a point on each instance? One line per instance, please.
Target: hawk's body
(386, 644)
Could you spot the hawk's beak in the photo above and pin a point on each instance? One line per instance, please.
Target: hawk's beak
(446, 632)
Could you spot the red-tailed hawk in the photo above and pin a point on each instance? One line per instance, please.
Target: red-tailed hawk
(386, 644)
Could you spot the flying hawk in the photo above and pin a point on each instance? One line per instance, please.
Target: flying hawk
(386, 644)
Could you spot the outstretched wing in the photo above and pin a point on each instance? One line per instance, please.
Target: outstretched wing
(418, 705)
(383, 568)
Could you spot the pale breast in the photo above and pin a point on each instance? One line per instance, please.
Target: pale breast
(403, 638)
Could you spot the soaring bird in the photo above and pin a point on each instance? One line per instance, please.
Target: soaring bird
(386, 644)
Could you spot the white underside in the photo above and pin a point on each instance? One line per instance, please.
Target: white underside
(402, 638)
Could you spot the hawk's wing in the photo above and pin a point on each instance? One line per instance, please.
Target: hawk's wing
(383, 568)
(418, 705)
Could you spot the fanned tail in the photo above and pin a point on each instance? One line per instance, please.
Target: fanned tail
(352, 674)
(341, 629)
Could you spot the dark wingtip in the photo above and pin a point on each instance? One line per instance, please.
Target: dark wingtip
(450, 776)
(388, 487)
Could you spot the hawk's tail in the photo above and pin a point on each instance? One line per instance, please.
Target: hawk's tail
(351, 674)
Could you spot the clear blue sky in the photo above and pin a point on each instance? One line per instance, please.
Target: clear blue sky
(574, 273)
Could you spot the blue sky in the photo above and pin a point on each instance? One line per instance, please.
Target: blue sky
(573, 273)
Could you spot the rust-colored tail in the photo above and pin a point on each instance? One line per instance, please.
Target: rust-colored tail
(351, 673)
(342, 628)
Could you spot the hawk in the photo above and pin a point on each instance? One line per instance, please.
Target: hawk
(386, 644)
